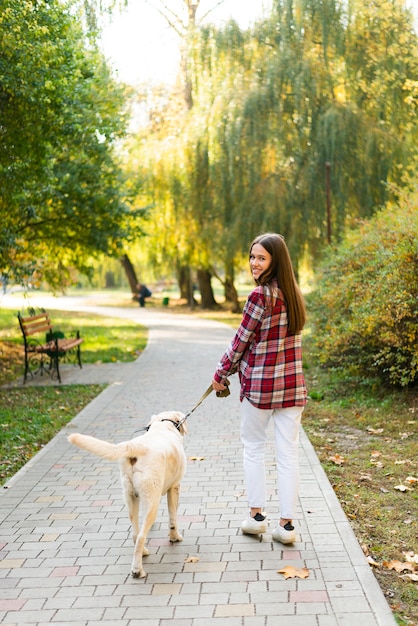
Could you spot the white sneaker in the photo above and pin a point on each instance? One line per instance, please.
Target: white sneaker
(256, 525)
(285, 534)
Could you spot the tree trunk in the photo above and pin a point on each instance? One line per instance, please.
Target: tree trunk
(186, 287)
(205, 287)
(130, 273)
(231, 294)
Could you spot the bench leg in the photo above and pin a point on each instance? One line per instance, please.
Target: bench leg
(56, 360)
(79, 351)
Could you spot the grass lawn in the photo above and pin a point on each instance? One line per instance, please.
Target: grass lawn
(365, 438)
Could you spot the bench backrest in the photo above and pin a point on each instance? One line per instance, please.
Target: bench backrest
(35, 324)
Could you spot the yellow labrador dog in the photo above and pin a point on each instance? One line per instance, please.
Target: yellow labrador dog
(150, 466)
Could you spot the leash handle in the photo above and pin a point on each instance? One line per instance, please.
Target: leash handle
(225, 392)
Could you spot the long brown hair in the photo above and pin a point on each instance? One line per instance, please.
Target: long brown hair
(281, 269)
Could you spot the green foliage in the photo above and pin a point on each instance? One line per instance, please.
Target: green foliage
(63, 195)
(365, 305)
(315, 84)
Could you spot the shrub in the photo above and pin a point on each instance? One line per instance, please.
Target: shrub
(365, 305)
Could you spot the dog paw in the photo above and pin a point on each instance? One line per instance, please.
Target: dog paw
(175, 537)
(138, 574)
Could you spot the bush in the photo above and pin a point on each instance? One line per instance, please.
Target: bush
(365, 305)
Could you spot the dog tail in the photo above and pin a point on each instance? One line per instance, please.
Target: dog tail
(104, 449)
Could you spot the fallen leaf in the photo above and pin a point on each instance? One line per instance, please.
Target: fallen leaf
(365, 477)
(411, 557)
(372, 562)
(337, 459)
(377, 464)
(365, 549)
(192, 559)
(292, 572)
(402, 488)
(411, 480)
(375, 454)
(398, 566)
(383, 490)
(413, 577)
(374, 431)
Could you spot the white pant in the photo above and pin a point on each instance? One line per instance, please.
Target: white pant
(254, 422)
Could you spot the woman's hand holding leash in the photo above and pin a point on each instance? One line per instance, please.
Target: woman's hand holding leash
(222, 389)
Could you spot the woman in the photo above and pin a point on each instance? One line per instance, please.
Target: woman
(266, 351)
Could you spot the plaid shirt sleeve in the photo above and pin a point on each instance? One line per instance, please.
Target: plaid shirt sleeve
(269, 361)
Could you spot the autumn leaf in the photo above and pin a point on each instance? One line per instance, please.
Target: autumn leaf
(413, 577)
(402, 488)
(374, 431)
(372, 562)
(398, 566)
(192, 559)
(411, 557)
(365, 549)
(337, 459)
(411, 480)
(292, 572)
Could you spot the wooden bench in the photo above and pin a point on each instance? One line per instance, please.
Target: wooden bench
(42, 355)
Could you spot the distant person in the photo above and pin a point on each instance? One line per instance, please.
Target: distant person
(142, 293)
(266, 351)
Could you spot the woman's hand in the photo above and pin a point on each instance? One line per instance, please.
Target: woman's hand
(218, 386)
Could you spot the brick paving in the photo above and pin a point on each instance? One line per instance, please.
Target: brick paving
(65, 542)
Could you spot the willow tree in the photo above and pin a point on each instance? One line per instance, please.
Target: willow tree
(299, 109)
(184, 18)
(277, 105)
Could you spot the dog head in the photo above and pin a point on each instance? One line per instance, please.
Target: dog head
(175, 417)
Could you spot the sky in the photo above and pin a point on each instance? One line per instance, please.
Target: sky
(141, 47)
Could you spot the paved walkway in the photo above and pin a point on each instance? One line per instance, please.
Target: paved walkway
(65, 541)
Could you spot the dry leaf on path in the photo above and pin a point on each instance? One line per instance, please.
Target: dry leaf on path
(292, 572)
(372, 562)
(413, 577)
(192, 559)
(402, 488)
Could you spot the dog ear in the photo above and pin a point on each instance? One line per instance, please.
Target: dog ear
(183, 428)
(183, 425)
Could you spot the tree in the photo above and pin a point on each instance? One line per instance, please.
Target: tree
(272, 107)
(64, 195)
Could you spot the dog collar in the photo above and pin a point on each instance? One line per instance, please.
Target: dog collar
(176, 424)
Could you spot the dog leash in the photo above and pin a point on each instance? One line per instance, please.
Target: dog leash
(219, 394)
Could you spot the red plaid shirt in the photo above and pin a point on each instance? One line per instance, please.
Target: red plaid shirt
(269, 361)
